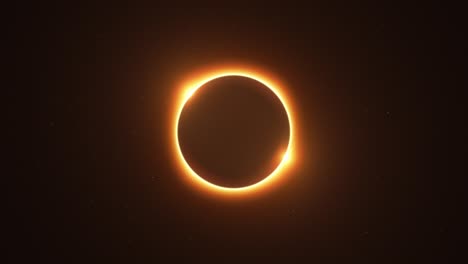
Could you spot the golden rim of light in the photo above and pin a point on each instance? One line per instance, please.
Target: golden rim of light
(191, 87)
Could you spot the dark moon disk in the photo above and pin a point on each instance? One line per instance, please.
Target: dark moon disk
(233, 131)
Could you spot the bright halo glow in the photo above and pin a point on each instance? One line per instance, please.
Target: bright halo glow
(190, 88)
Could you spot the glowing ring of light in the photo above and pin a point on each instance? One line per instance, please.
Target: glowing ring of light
(191, 87)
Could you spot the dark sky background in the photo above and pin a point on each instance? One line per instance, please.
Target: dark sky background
(95, 174)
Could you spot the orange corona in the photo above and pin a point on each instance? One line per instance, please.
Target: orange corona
(190, 87)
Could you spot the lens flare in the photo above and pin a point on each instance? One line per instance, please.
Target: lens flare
(190, 87)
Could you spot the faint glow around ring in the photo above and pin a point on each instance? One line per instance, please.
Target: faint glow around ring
(190, 88)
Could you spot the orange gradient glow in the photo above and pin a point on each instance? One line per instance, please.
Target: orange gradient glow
(190, 87)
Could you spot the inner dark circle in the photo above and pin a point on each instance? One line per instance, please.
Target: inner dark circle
(233, 131)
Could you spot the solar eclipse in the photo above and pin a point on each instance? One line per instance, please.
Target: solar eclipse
(230, 133)
(233, 131)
